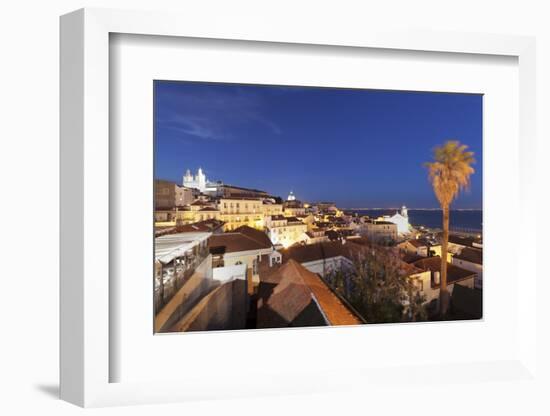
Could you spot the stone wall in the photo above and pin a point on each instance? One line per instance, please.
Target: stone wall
(223, 309)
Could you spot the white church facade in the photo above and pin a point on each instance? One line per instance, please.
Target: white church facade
(199, 181)
(401, 219)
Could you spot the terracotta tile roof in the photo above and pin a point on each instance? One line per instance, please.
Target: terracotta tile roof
(454, 273)
(409, 269)
(473, 255)
(233, 242)
(313, 252)
(410, 257)
(316, 234)
(418, 243)
(361, 241)
(269, 274)
(255, 234)
(200, 203)
(201, 226)
(297, 289)
(463, 240)
(243, 189)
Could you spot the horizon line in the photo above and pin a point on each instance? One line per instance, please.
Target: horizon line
(413, 209)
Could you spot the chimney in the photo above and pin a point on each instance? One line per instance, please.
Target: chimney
(436, 277)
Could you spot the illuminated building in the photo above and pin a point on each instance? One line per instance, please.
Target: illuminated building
(285, 231)
(236, 212)
(379, 231)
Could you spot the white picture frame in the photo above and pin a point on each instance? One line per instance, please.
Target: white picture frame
(85, 211)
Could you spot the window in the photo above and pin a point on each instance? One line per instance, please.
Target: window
(217, 261)
(238, 263)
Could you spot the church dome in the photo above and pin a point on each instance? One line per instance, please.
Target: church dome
(291, 196)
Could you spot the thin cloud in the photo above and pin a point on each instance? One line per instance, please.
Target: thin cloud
(210, 114)
(195, 126)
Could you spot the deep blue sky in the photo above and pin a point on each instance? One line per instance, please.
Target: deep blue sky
(359, 148)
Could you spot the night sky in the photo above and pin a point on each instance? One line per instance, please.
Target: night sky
(358, 148)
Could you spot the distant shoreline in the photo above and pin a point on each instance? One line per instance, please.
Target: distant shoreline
(410, 209)
(464, 220)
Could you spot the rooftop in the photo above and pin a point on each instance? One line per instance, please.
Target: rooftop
(362, 241)
(201, 226)
(199, 203)
(239, 198)
(243, 189)
(255, 234)
(463, 240)
(171, 246)
(313, 252)
(293, 219)
(379, 222)
(454, 273)
(298, 290)
(410, 257)
(473, 255)
(418, 243)
(234, 242)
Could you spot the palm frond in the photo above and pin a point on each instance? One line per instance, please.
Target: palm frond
(450, 171)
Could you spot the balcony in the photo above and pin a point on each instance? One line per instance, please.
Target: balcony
(176, 273)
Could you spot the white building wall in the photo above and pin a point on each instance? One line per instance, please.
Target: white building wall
(402, 223)
(473, 267)
(245, 257)
(228, 273)
(327, 266)
(433, 293)
(288, 234)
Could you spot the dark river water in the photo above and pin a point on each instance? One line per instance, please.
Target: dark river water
(459, 220)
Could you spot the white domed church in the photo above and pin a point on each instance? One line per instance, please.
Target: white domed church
(200, 182)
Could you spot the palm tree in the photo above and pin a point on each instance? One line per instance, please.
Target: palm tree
(449, 173)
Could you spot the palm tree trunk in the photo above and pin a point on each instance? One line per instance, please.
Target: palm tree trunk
(161, 287)
(443, 292)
